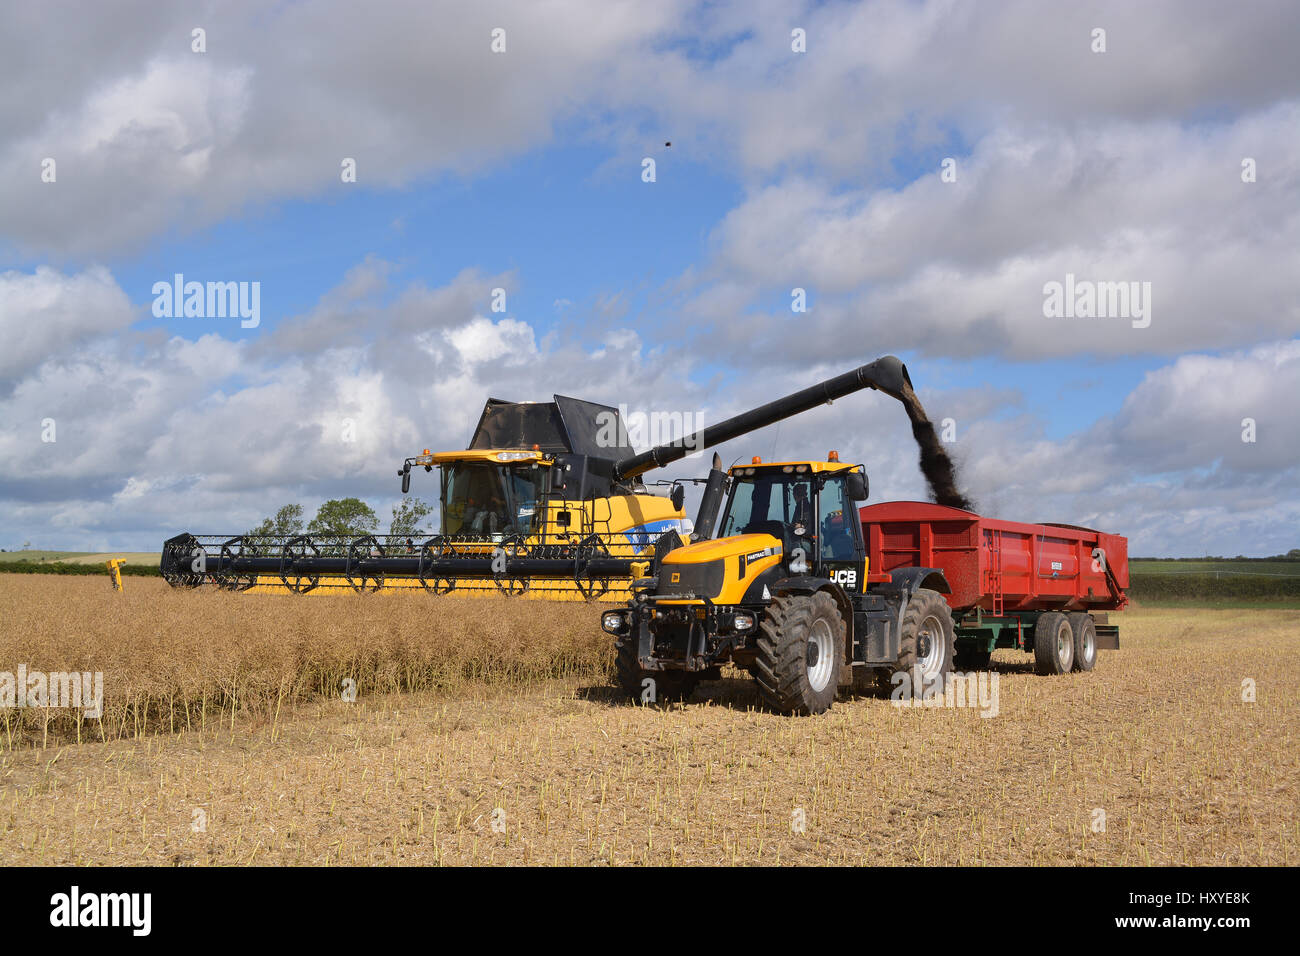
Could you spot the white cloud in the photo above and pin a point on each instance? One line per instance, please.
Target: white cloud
(959, 268)
(163, 136)
(1170, 468)
(46, 310)
(483, 340)
(151, 135)
(158, 434)
(1190, 414)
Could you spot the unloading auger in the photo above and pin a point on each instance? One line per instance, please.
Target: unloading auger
(546, 501)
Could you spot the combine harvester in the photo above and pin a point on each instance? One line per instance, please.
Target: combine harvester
(548, 501)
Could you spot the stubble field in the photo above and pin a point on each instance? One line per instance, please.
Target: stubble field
(487, 732)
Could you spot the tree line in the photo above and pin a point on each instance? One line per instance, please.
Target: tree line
(347, 518)
(1292, 555)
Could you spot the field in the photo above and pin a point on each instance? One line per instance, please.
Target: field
(80, 557)
(1193, 582)
(486, 731)
(1285, 569)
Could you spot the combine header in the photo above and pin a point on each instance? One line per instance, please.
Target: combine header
(547, 501)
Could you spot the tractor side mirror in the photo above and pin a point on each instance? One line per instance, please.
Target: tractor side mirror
(677, 496)
(406, 478)
(856, 485)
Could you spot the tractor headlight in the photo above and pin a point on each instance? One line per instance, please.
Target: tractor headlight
(614, 622)
(743, 622)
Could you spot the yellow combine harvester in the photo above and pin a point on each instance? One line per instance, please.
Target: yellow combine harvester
(547, 501)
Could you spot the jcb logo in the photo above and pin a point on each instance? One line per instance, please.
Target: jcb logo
(845, 577)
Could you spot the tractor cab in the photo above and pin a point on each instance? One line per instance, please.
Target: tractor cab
(808, 506)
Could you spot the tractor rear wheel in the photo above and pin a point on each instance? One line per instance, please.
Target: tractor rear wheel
(1084, 630)
(926, 642)
(800, 653)
(1053, 644)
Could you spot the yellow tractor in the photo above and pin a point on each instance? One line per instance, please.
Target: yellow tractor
(775, 593)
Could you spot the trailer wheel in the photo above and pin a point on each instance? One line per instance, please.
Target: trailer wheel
(668, 686)
(1084, 630)
(800, 652)
(926, 641)
(1053, 644)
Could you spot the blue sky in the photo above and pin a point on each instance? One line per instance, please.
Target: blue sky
(562, 224)
(818, 170)
(554, 240)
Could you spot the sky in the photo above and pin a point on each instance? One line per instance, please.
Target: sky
(518, 225)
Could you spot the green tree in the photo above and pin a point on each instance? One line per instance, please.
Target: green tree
(286, 523)
(407, 515)
(345, 517)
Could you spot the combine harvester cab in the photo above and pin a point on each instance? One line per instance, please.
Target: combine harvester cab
(533, 506)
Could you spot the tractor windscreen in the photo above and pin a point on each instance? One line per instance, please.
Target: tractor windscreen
(483, 498)
(769, 503)
(790, 507)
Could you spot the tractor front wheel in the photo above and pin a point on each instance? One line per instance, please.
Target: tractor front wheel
(800, 653)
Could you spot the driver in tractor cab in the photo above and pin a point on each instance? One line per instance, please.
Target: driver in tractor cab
(802, 518)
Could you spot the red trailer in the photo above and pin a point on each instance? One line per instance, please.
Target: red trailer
(1008, 579)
